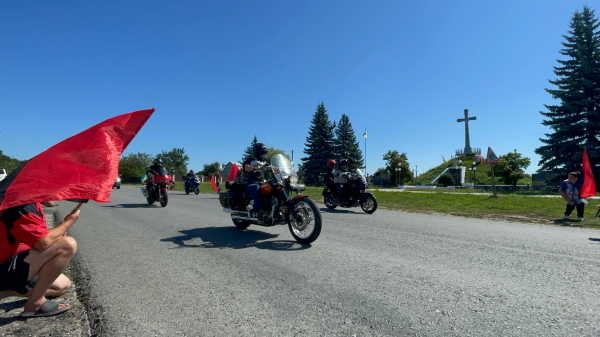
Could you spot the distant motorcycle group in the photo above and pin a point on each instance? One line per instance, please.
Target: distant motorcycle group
(252, 200)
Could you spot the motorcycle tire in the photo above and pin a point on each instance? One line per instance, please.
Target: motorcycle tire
(297, 232)
(187, 190)
(150, 201)
(241, 224)
(164, 199)
(197, 190)
(328, 203)
(363, 203)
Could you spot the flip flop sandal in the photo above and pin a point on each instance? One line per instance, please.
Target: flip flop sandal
(49, 308)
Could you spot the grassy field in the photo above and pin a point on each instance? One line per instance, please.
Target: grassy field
(509, 207)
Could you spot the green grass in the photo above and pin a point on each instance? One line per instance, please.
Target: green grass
(509, 207)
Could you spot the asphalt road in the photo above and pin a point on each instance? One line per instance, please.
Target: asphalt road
(185, 270)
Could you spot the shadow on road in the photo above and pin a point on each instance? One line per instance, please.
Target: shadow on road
(568, 223)
(327, 210)
(10, 306)
(133, 206)
(231, 237)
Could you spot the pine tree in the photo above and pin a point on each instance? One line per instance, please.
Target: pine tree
(345, 144)
(319, 146)
(249, 152)
(576, 120)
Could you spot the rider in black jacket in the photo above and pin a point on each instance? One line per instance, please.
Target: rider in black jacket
(158, 164)
(339, 178)
(253, 178)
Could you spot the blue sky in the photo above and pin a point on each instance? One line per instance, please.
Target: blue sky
(220, 72)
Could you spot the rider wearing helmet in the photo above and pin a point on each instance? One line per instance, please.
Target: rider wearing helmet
(190, 175)
(339, 178)
(253, 177)
(158, 164)
(329, 177)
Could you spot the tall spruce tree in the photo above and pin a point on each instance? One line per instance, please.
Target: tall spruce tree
(249, 152)
(319, 146)
(575, 121)
(345, 144)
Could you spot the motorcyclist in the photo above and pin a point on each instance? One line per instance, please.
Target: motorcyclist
(158, 164)
(191, 175)
(329, 177)
(253, 177)
(339, 178)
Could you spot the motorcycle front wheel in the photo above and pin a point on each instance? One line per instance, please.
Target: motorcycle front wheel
(328, 201)
(164, 198)
(307, 227)
(368, 203)
(197, 190)
(241, 224)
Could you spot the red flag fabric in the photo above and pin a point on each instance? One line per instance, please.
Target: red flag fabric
(588, 188)
(234, 171)
(212, 183)
(83, 166)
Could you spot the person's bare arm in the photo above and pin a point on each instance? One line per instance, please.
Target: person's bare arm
(564, 195)
(57, 232)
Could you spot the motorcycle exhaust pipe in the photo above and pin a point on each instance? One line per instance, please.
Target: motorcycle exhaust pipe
(144, 192)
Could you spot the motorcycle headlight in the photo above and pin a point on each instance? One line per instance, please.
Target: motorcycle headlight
(293, 179)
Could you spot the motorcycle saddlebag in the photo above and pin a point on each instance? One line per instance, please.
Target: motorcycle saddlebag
(230, 199)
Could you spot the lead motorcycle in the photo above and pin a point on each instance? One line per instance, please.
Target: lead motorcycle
(354, 194)
(299, 212)
(192, 184)
(157, 189)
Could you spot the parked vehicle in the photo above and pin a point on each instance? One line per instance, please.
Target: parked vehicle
(157, 189)
(354, 194)
(3, 174)
(192, 184)
(300, 213)
(117, 183)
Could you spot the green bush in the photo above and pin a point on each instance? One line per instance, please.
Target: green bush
(446, 180)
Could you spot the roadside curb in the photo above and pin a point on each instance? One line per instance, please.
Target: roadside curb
(72, 323)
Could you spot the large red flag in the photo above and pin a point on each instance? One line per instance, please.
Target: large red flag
(234, 171)
(588, 188)
(83, 166)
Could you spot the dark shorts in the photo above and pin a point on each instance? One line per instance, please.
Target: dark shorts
(14, 272)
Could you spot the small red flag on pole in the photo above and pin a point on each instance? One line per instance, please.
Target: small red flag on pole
(588, 188)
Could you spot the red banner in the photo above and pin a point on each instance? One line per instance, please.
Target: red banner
(234, 171)
(212, 183)
(83, 166)
(588, 188)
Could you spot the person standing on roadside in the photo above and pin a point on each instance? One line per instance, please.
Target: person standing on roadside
(569, 190)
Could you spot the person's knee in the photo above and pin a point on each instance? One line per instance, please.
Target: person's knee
(68, 245)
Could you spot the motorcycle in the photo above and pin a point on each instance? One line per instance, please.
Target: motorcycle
(192, 184)
(353, 195)
(299, 212)
(157, 189)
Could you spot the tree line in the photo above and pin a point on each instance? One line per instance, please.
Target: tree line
(574, 121)
(327, 140)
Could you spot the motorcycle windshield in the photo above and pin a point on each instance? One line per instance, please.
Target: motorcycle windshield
(359, 172)
(162, 172)
(281, 166)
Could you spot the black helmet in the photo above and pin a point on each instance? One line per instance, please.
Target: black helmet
(260, 151)
(158, 161)
(343, 163)
(191, 171)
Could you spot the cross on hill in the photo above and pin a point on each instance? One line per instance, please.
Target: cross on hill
(468, 149)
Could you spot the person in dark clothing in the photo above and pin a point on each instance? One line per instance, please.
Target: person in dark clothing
(254, 177)
(339, 178)
(329, 178)
(158, 164)
(569, 190)
(190, 175)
